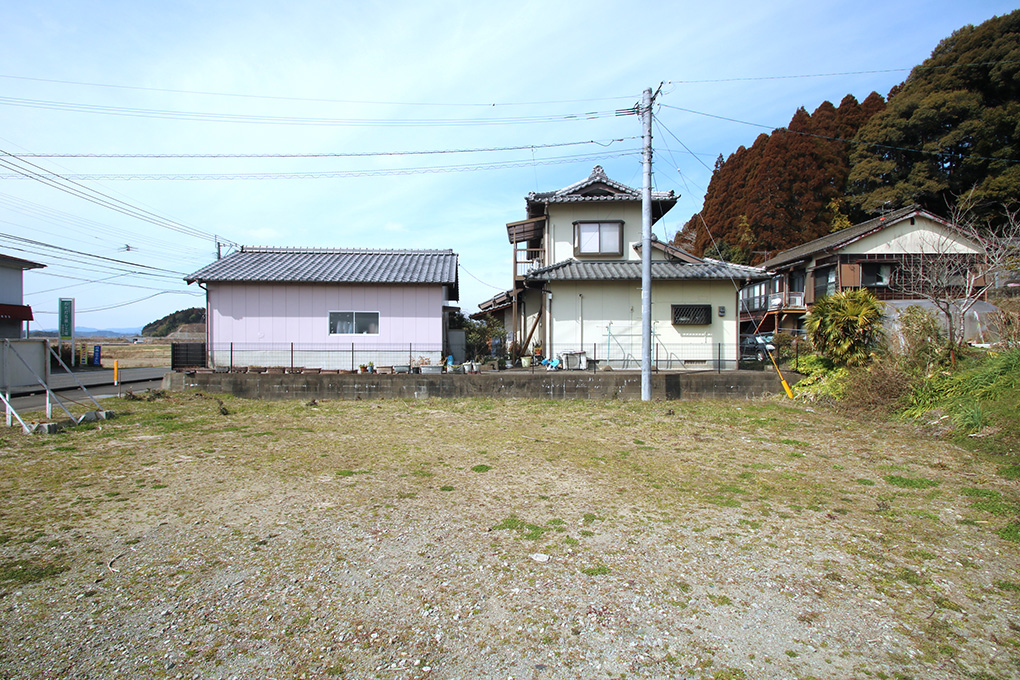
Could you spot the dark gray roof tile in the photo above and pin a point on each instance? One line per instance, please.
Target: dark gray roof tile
(840, 238)
(709, 270)
(323, 265)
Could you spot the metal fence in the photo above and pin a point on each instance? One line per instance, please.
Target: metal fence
(623, 352)
(294, 356)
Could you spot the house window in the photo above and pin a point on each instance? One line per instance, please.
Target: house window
(825, 282)
(598, 238)
(354, 323)
(876, 274)
(691, 315)
(797, 281)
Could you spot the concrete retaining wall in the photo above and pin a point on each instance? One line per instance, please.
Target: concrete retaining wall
(522, 385)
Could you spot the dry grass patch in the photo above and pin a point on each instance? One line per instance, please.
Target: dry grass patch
(601, 539)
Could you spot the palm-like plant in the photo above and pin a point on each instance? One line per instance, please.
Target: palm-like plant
(846, 327)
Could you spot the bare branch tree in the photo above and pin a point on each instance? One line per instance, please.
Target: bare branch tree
(958, 266)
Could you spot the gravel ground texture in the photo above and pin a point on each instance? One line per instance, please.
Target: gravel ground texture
(199, 537)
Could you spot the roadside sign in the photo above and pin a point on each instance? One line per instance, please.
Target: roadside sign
(66, 318)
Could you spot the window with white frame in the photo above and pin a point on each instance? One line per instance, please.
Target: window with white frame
(354, 323)
(598, 238)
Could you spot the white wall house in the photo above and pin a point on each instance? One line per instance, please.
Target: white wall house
(577, 283)
(327, 308)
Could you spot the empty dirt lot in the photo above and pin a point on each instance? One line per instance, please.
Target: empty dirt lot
(194, 537)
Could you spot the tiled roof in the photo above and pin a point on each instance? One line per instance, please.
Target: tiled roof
(598, 188)
(709, 270)
(323, 265)
(842, 237)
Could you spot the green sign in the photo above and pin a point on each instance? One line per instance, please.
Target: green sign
(66, 324)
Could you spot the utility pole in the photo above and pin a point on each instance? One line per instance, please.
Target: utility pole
(646, 247)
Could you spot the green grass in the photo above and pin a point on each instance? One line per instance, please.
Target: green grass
(1010, 471)
(909, 482)
(29, 571)
(1010, 532)
(526, 530)
(482, 467)
(996, 507)
(600, 570)
(979, 493)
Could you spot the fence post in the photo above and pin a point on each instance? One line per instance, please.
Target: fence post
(352, 357)
(292, 356)
(410, 355)
(718, 357)
(231, 357)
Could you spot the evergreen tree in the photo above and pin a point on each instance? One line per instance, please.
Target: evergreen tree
(950, 128)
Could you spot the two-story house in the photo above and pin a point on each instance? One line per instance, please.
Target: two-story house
(866, 255)
(577, 283)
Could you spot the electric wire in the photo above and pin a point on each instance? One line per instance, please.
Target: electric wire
(57, 223)
(22, 239)
(69, 186)
(350, 154)
(324, 174)
(484, 283)
(316, 99)
(847, 141)
(248, 119)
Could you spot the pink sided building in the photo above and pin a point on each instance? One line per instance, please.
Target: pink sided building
(327, 308)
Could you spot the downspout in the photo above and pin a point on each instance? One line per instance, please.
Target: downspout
(549, 324)
(580, 314)
(208, 327)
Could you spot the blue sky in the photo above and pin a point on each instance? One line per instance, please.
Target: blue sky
(539, 81)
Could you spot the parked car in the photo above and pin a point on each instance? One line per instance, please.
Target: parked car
(756, 346)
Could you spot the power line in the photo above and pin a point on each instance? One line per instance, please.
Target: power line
(208, 117)
(842, 139)
(331, 174)
(694, 155)
(352, 154)
(82, 228)
(21, 239)
(61, 183)
(484, 283)
(316, 99)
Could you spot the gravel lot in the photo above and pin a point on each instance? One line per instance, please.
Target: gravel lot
(198, 538)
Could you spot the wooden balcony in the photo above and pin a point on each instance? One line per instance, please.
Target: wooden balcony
(526, 259)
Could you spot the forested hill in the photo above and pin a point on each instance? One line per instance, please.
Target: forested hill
(171, 322)
(951, 127)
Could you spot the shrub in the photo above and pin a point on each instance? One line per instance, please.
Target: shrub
(879, 387)
(921, 341)
(846, 328)
(1007, 323)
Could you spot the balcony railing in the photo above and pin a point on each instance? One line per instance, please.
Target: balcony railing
(527, 259)
(786, 300)
(773, 302)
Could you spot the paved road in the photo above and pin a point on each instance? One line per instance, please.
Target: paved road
(99, 383)
(89, 378)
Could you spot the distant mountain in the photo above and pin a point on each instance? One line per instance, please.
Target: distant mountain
(171, 322)
(85, 332)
